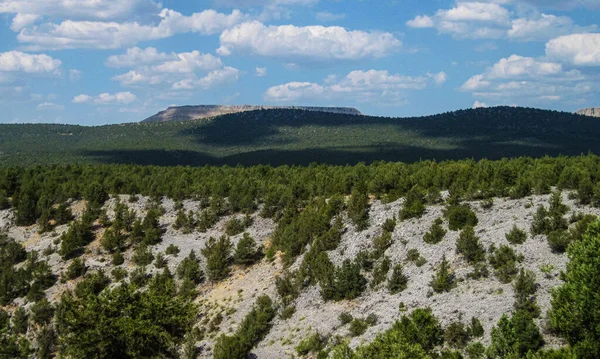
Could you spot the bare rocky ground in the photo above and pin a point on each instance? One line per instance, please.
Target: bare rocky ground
(486, 299)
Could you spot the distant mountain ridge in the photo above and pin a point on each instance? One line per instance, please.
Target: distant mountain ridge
(186, 113)
(593, 112)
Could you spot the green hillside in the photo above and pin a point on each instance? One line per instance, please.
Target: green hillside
(297, 137)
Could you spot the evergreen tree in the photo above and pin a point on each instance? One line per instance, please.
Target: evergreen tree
(4, 203)
(469, 246)
(399, 281)
(189, 269)
(218, 258)
(358, 207)
(20, 321)
(436, 232)
(27, 206)
(246, 252)
(349, 282)
(443, 279)
(516, 235)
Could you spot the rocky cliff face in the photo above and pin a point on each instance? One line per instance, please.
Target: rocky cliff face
(594, 112)
(185, 113)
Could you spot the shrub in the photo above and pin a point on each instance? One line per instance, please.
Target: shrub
(234, 226)
(399, 281)
(469, 246)
(139, 277)
(380, 272)
(92, 284)
(475, 350)
(349, 283)
(312, 344)
(559, 241)
(189, 269)
(460, 216)
(476, 329)
(286, 288)
(540, 224)
(118, 274)
(516, 235)
(345, 318)
(381, 244)
(287, 312)
(160, 261)
(218, 258)
(414, 206)
(504, 261)
(42, 312)
(20, 321)
(358, 327)
(443, 279)
(436, 233)
(75, 269)
(389, 225)
(246, 252)
(142, 256)
(456, 335)
(172, 250)
(117, 258)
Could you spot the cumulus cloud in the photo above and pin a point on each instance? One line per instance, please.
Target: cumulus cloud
(577, 49)
(214, 78)
(362, 86)
(71, 34)
(16, 61)
(261, 71)
(478, 104)
(106, 98)
(518, 79)
(492, 20)
(181, 71)
(81, 9)
(308, 43)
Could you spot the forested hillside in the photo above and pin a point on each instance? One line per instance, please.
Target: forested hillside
(457, 259)
(280, 137)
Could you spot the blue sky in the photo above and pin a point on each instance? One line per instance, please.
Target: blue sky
(96, 62)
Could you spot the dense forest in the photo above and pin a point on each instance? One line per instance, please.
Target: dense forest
(138, 315)
(295, 137)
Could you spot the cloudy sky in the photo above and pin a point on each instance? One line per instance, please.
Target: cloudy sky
(97, 62)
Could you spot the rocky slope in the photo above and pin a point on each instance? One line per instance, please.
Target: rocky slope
(185, 113)
(486, 299)
(593, 112)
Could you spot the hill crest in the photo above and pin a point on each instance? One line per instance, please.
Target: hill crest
(186, 113)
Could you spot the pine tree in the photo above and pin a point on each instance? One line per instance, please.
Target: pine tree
(358, 207)
(399, 281)
(443, 279)
(246, 252)
(189, 269)
(218, 258)
(469, 246)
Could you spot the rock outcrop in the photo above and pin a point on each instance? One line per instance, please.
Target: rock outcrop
(594, 112)
(185, 113)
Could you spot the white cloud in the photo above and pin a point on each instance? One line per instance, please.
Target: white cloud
(82, 9)
(106, 98)
(190, 62)
(212, 79)
(521, 79)
(13, 61)
(21, 20)
(578, 49)
(136, 56)
(70, 34)
(309, 43)
(489, 19)
(261, 71)
(420, 22)
(326, 16)
(560, 4)
(362, 86)
(544, 27)
(50, 106)
(478, 104)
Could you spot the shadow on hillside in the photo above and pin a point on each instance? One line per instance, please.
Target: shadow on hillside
(472, 149)
(547, 128)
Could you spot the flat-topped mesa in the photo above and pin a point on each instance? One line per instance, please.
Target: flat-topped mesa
(186, 113)
(593, 112)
